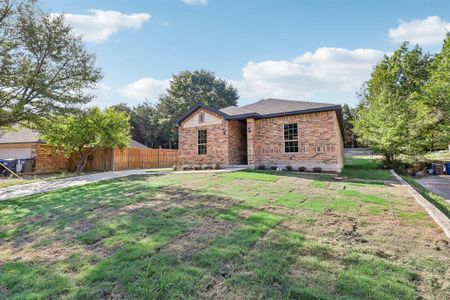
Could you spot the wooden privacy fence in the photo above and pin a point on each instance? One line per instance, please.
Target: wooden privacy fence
(130, 158)
(49, 159)
(140, 158)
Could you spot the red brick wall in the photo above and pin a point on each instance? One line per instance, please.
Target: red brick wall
(217, 142)
(320, 143)
(49, 159)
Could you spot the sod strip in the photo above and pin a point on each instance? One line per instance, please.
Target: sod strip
(232, 247)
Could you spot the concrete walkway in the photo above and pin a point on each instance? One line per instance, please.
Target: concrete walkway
(437, 184)
(51, 185)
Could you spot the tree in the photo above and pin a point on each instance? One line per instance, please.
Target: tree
(186, 90)
(348, 117)
(384, 121)
(86, 131)
(432, 122)
(143, 122)
(44, 68)
(147, 128)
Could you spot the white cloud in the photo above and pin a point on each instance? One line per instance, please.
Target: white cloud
(327, 72)
(195, 2)
(144, 89)
(101, 24)
(429, 31)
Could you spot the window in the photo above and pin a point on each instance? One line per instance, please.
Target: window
(290, 138)
(201, 117)
(202, 142)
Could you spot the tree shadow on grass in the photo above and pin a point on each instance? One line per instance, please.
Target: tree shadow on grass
(111, 228)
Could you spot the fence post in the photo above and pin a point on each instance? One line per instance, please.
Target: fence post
(142, 157)
(113, 167)
(158, 158)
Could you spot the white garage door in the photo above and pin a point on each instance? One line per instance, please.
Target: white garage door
(15, 152)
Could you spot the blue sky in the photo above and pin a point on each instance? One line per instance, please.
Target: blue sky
(306, 50)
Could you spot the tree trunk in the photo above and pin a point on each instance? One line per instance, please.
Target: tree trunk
(81, 163)
(389, 158)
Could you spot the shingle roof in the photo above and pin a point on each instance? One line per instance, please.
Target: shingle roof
(136, 144)
(234, 110)
(266, 108)
(278, 106)
(18, 135)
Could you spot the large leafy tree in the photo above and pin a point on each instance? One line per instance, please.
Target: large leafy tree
(186, 90)
(432, 123)
(384, 121)
(86, 131)
(44, 67)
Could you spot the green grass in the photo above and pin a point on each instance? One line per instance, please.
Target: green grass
(358, 167)
(250, 175)
(238, 235)
(370, 277)
(291, 200)
(436, 200)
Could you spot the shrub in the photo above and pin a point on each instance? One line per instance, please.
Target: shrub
(175, 167)
(302, 169)
(186, 167)
(288, 168)
(206, 167)
(216, 166)
(261, 167)
(273, 168)
(197, 167)
(317, 169)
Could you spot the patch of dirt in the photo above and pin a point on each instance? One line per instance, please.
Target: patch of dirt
(50, 253)
(173, 197)
(199, 237)
(442, 245)
(352, 237)
(215, 289)
(158, 205)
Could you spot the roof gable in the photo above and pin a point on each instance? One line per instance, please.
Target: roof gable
(19, 135)
(197, 107)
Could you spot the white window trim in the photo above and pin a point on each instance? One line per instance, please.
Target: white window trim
(297, 140)
(206, 143)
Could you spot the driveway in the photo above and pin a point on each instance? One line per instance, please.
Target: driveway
(437, 184)
(46, 186)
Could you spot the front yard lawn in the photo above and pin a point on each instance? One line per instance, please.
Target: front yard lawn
(224, 235)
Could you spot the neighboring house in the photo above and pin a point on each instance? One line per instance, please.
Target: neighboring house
(25, 143)
(18, 143)
(270, 132)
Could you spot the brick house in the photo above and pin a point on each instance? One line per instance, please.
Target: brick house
(270, 132)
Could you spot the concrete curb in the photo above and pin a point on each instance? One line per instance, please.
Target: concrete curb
(432, 210)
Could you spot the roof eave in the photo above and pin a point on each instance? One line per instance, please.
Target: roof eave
(178, 121)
